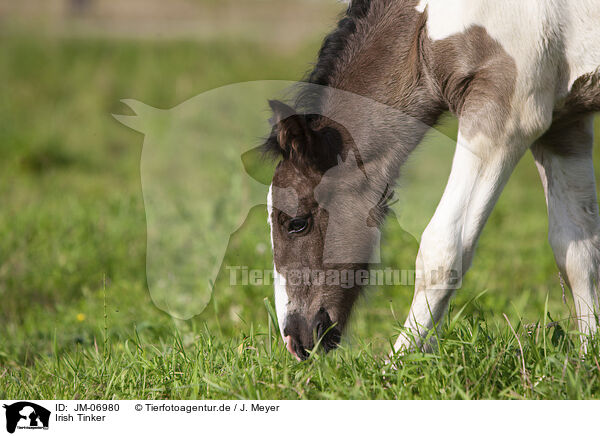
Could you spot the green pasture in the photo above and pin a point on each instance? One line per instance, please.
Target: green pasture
(76, 317)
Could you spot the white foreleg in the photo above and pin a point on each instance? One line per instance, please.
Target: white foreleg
(480, 170)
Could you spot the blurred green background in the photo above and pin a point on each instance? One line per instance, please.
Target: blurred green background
(72, 209)
(72, 222)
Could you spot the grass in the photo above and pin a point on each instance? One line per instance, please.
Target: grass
(77, 319)
(475, 360)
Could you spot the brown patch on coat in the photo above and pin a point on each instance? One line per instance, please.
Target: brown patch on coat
(475, 77)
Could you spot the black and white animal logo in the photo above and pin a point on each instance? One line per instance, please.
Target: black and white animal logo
(26, 415)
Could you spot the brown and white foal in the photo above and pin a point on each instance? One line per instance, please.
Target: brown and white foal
(519, 75)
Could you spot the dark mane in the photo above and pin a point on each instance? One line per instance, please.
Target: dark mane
(308, 97)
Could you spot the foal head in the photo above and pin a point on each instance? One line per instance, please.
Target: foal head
(324, 216)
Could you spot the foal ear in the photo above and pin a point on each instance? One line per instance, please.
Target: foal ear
(294, 138)
(281, 111)
(294, 135)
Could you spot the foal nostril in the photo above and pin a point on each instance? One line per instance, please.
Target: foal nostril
(328, 334)
(321, 323)
(300, 350)
(295, 347)
(301, 336)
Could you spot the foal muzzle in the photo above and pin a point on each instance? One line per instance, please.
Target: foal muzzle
(301, 336)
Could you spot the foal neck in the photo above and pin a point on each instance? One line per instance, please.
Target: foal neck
(379, 55)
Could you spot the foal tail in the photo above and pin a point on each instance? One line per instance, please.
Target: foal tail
(584, 96)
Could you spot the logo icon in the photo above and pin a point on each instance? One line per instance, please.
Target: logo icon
(26, 415)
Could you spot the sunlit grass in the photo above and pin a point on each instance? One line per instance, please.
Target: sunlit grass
(72, 215)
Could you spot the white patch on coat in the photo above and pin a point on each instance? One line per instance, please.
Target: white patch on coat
(538, 35)
(582, 38)
(279, 283)
(269, 213)
(281, 299)
(531, 33)
(421, 6)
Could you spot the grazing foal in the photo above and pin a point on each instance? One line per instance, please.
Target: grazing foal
(519, 75)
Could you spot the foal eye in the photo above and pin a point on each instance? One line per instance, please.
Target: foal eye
(298, 225)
